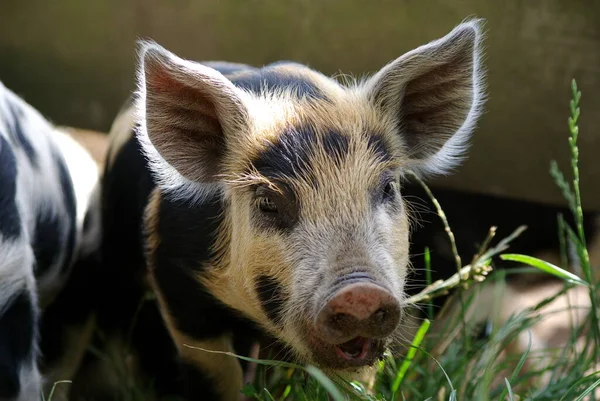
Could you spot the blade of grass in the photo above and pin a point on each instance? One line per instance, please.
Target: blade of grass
(452, 239)
(410, 354)
(517, 370)
(265, 362)
(588, 390)
(325, 382)
(562, 241)
(54, 387)
(268, 394)
(574, 199)
(313, 371)
(510, 392)
(428, 280)
(582, 380)
(545, 267)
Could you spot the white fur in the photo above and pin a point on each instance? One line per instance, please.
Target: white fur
(86, 184)
(82, 168)
(15, 256)
(31, 382)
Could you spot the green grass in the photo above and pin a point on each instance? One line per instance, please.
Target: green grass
(448, 359)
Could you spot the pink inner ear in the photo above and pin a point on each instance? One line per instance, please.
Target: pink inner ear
(182, 119)
(181, 97)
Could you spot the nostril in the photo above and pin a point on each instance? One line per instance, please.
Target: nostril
(341, 321)
(380, 315)
(335, 328)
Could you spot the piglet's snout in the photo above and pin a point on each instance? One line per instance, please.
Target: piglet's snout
(358, 309)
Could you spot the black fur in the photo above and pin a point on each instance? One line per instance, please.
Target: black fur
(336, 145)
(124, 194)
(272, 298)
(71, 308)
(196, 385)
(123, 308)
(288, 209)
(187, 234)
(19, 136)
(287, 157)
(47, 241)
(269, 79)
(87, 220)
(379, 146)
(17, 330)
(10, 222)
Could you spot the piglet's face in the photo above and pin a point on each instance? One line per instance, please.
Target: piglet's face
(315, 240)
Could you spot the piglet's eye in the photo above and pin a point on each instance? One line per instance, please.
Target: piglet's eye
(389, 190)
(266, 205)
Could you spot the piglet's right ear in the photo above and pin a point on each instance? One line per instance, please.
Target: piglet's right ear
(188, 111)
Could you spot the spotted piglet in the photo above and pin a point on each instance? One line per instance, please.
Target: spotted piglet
(268, 200)
(47, 182)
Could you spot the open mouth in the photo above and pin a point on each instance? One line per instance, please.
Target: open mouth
(357, 349)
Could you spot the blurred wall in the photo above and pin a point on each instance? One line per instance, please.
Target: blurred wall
(74, 61)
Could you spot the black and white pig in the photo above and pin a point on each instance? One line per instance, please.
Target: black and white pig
(47, 183)
(268, 200)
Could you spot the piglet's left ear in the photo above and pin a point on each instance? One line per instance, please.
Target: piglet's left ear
(433, 96)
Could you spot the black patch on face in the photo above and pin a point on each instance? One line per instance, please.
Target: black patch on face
(335, 144)
(10, 222)
(69, 198)
(272, 298)
(187, 233)
(17, 331)
(18, 134)
(270, 79)
(377, 143)
(289, 156)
